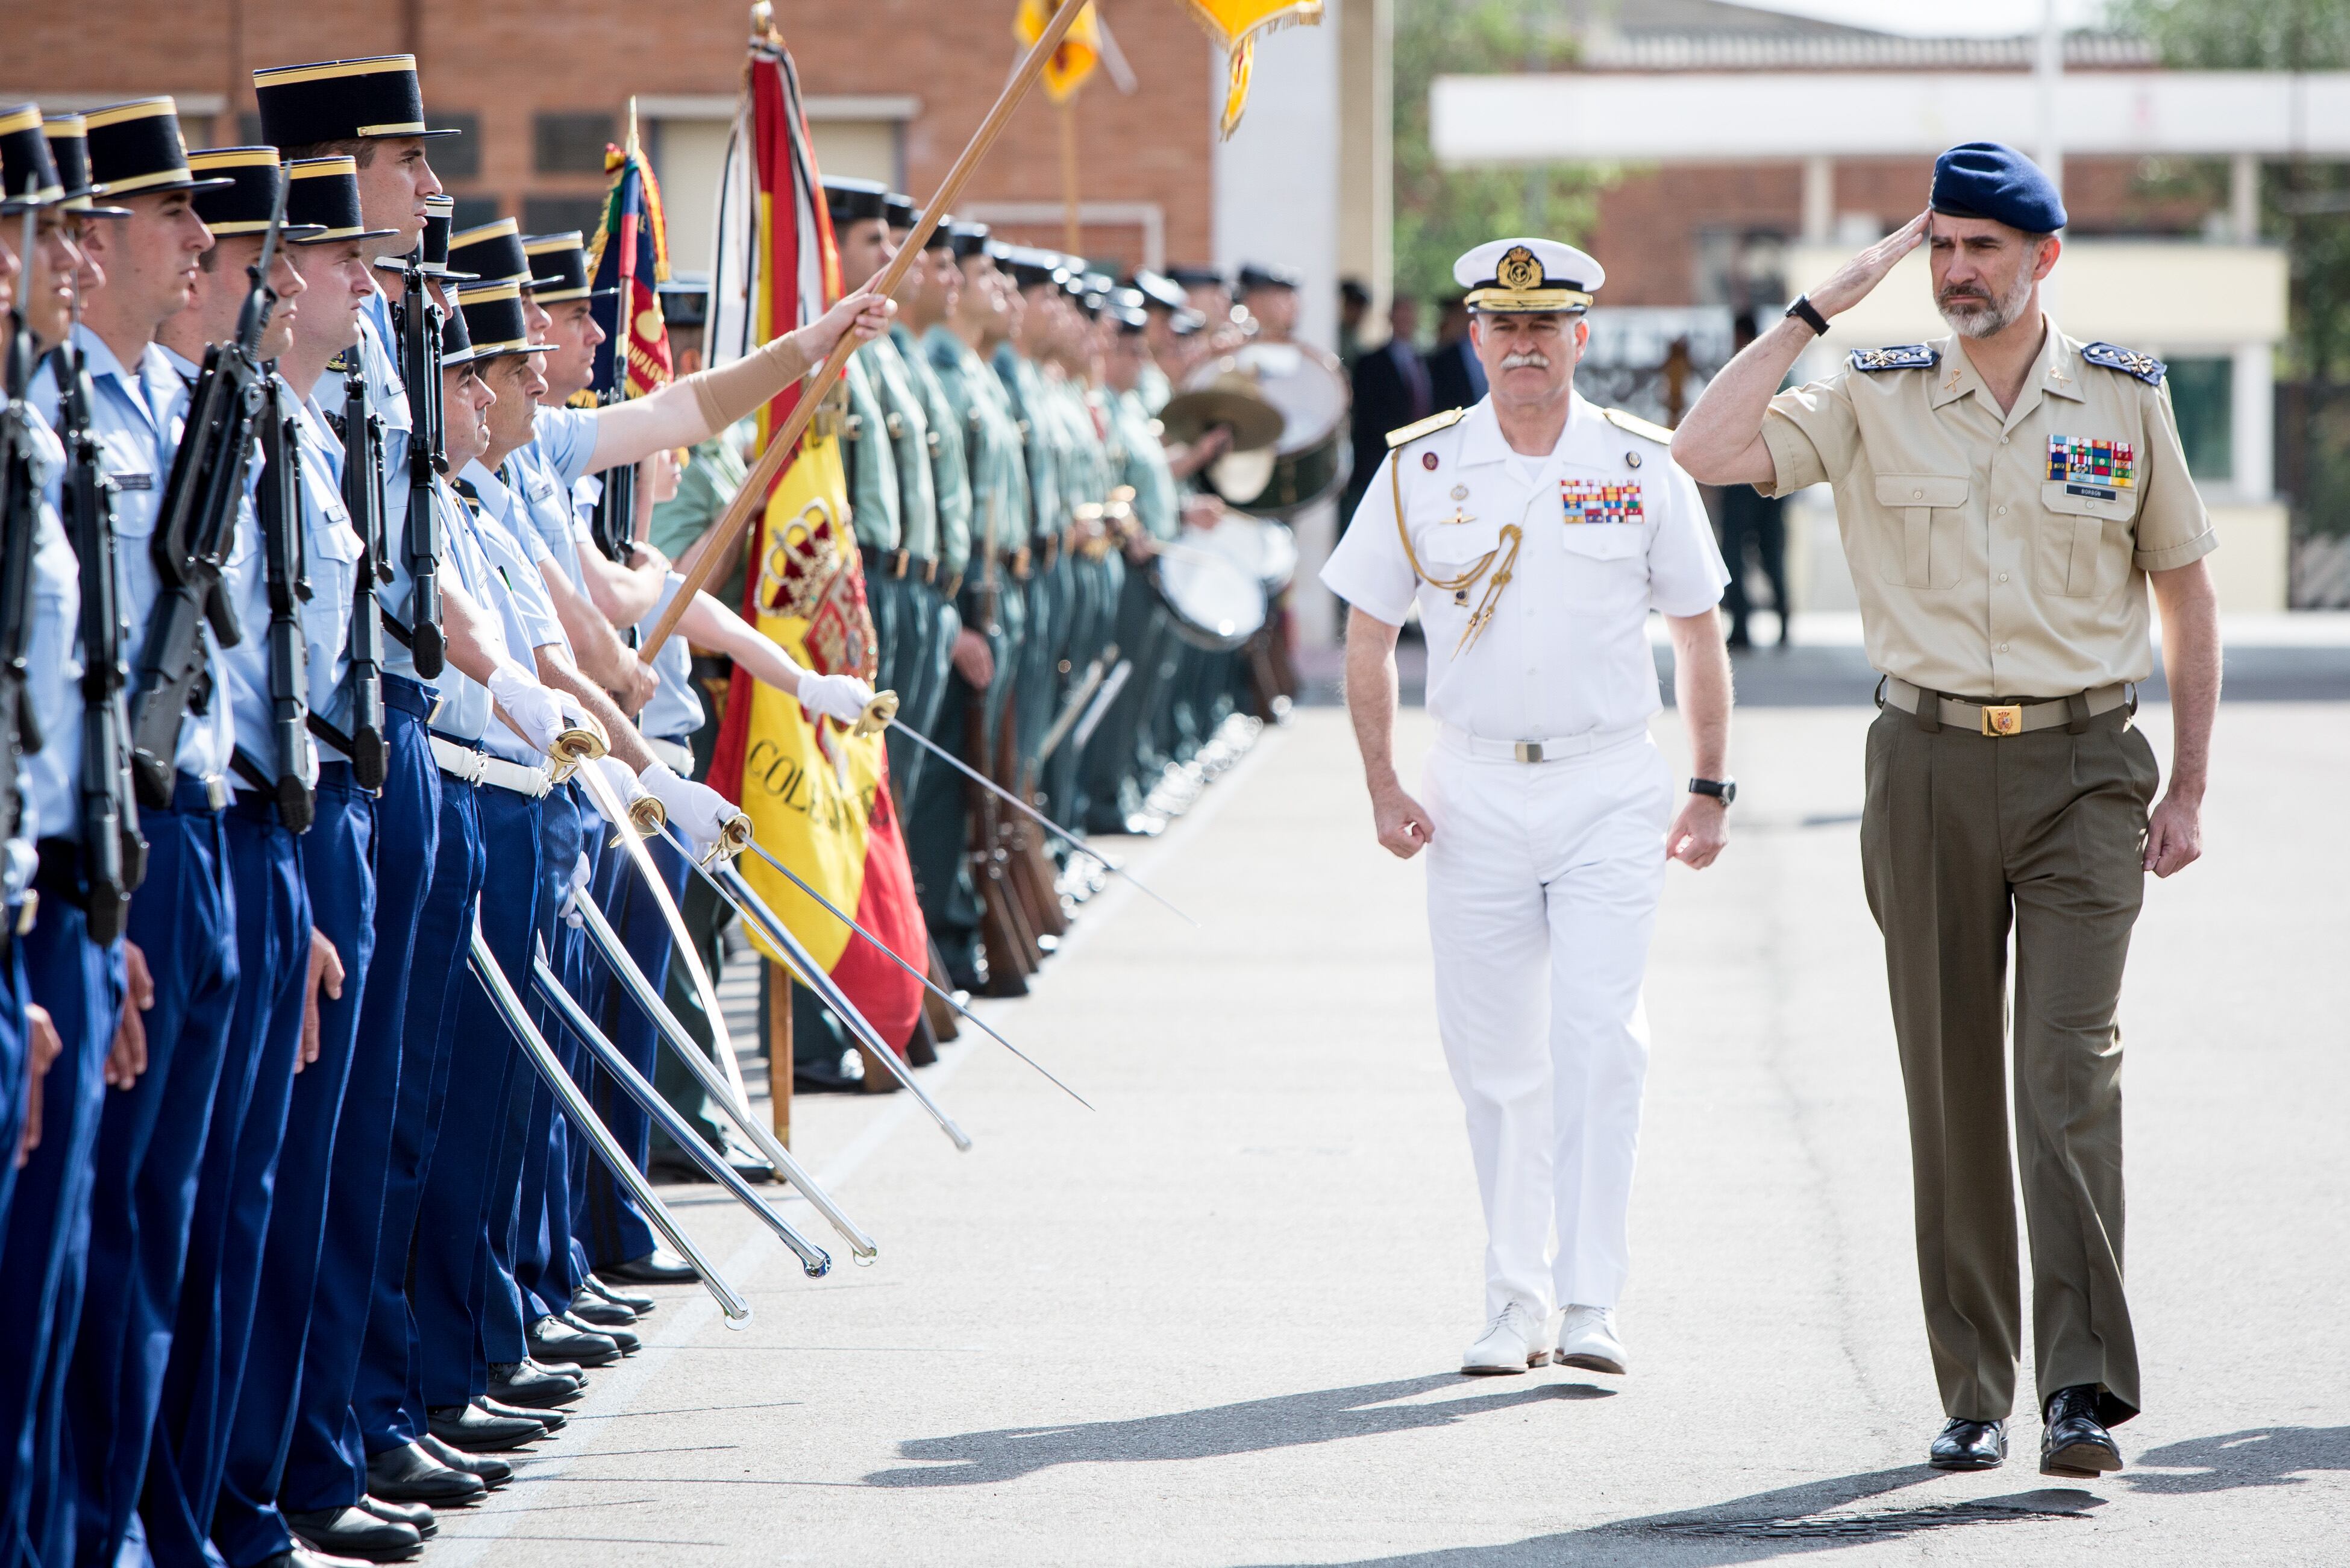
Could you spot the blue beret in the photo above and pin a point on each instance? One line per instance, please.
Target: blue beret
(1986, 179)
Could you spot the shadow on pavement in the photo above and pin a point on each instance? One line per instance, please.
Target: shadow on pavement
(1292, 1420)
(2258, 1456)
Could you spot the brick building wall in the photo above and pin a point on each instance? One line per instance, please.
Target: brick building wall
(504, 63)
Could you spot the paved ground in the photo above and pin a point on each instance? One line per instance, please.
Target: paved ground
(1215, 1322)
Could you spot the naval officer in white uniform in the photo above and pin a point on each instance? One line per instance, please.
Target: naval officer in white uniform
(1536, 532)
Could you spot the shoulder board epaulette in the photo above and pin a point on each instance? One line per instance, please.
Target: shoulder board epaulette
(345, 362)
(1901, 356)
(1637, 426)
(1429, 425)
(2129, 362)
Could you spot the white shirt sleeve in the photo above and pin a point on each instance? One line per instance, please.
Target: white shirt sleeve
(1686, 574)
(568, 438)
(1369, 569)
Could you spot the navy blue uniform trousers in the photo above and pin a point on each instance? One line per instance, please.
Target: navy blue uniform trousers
(235, 1187)
(338, 869)
(326, 1459)
(150, 1143)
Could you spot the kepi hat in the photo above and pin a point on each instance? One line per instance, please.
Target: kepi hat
(248, 194)
(135, 150)
(342, 100)
(324, 194)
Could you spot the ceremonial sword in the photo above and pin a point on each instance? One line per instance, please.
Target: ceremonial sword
(884, 709)
(689, 1050)
(583, 1116)
(729, 884)
(813, 1258)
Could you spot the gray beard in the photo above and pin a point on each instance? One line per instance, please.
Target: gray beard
(1979, 320)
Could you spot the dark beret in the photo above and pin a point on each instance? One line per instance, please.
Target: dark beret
(1987, 180)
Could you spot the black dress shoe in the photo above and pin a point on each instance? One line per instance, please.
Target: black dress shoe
(526, 1383)
(596, 1313)
(355, 1533)
(475, 1432)
(553, 1420)
(414, 1515)
(2073, 1442)
(492, 1473)
(629, 1299)
(1967, 1445)
(552, 1339)
(411, 1474)
(626, 1339)
(655, 1267)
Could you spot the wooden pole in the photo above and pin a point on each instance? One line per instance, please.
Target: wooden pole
(1072, 227)
(753, 496)
(779, 1050)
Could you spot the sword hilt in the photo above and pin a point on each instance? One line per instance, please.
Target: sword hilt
(734, 836)
(876, 716)
(573, 747)
(647, 816)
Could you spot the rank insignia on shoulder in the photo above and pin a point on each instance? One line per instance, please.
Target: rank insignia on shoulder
(2129, 362)
(1899, 357)
(1637, 426)
(1429, 425)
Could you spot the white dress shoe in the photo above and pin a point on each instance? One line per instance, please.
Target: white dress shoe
(1511, 1344)
(1587, 1339)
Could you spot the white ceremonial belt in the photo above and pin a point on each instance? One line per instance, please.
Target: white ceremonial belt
(480, 768)
(676, 753)
(1558, 749)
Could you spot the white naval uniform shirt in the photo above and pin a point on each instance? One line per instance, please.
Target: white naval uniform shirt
(1612, 529)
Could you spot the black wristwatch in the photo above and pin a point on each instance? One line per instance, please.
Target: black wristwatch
(1722, 789)
(1805, 311)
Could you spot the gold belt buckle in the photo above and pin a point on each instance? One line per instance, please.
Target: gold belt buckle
(2003, 719)
(1530, 751)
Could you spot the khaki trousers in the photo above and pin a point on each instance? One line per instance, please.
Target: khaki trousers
(1964, 838)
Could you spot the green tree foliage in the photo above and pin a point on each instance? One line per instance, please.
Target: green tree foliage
(1439, 212)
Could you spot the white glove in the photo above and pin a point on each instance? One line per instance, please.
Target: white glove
(624, 785)
(695, 810)
(536, 716)
(576, 716)
(841, 697)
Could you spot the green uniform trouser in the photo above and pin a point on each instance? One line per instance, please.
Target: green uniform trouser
(883, 597)
(1114, 777)
(1093, 612)
(1964, 837)
(1039, 680)
(927, 626)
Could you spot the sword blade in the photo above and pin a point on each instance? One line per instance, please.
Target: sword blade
(1074, 840)
(617, 814)
(812, 1257)
(713, 1083)
(739, 893)
(583, 1116)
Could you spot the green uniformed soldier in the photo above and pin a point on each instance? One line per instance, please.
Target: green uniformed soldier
(862, 233)
(1046, 441)
(1088, 576)
(2007, 496)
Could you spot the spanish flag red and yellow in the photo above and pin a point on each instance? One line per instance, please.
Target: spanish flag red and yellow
(818, 797)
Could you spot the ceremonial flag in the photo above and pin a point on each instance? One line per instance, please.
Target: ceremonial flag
(1080, 51)
(1235, 25)
(818, 797)
(630, 254)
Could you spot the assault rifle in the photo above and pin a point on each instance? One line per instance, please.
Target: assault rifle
(278, 511)
(362, 433)
(196, 529)
(418, 322)
(20, 511)
(613, 523)
(114, 853)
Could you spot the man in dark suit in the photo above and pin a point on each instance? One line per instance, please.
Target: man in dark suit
(1456, 377)
(1391, 389)
(1749, 517)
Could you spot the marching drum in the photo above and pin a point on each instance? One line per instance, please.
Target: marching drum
(1315, 451)
(1219, 583)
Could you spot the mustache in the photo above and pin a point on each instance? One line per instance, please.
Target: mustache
(1965, 291)
(1534, 359)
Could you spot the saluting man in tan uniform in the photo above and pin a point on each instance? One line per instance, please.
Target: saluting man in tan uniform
(2007, 496)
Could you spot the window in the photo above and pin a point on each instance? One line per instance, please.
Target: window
(553, 214)
(473, 211)
(1740, 269)
(2202, 391)
(571, 144)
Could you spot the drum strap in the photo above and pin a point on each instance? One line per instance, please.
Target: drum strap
(1507, 551)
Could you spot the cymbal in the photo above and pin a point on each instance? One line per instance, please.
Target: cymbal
(1230, 400)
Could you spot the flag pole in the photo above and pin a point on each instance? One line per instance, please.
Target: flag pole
(753, 496)
(1072, 225)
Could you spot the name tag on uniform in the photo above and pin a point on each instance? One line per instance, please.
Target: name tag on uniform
(1596, 500)
(541, 488)
(134, 482)
(2087, 466)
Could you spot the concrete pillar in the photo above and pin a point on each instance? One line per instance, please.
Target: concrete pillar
(2245, 197)
(1366, 146)
(2251, 424)
(1819, 201)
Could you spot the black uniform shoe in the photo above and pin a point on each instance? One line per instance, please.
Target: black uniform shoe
(825, 1076)
(596, 1312)
(1968, 1446)
(2073, 1442)
(626, 1339)
(355, 1533)
(552, 1339)
(552, 1421)
(463, 1426)
(414, 1515)
(303, 1557)
(527, 1383)
(411, 1474)
(655, 1267)
(492, 1473)
(629, 1299)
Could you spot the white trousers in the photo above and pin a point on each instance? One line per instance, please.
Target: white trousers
(1543, 881)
